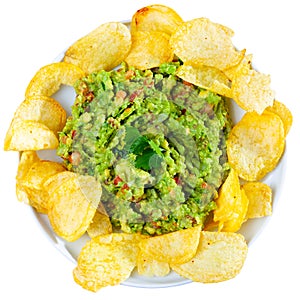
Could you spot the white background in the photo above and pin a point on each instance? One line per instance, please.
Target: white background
(34, 32)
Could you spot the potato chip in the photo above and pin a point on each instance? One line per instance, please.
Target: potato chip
(41, 109)
(106, 260)
(260, 199)
(100, 225)
(175, 247)
(246, 62)
(32, 183)
(284, 113)
(220, 256)
(149, 49)
(73, 206)
(151, 267)
(102, 49)
(27, 159)
(30, 135)
(202, 42)
(251, 90)
(155, 18)
(205, 77)
(232, 204)
(49, 78)
(255, 145)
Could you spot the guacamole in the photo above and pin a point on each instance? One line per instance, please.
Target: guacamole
(156, 144)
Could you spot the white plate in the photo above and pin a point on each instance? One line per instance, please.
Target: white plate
(250, 229)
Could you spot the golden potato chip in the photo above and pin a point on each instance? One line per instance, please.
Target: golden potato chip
(155, 18)
(106, 260)
(255, 145)
(202, 42)
(149, 49)
(205, 77)
(49, 78)
(41, 109)
(54, 182)
(232, 204)
(175, 247)
(151, 267)
(251, 90)
(260, 199)
(220, 256)
(30, 135)
(27, 159)
(73, 206)
(231, 72)
(32, 182)
(100, 225)
(102, 49)
(284, 113)
(240, 212)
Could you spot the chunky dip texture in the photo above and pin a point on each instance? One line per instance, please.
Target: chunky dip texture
(155, 143)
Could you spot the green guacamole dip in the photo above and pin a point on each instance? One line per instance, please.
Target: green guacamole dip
(156, 144)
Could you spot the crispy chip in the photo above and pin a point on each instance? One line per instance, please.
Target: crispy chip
(100, 225)
(284, 113)
(41, 109)
(251, 89)
(30, 135)
(73, 206)
(205, 77)
(175, 247)
(149, 49)
(102, 49)
(151, 267)
(255, 145)
(49, 78)
(34, 179)
(202, 42)
(106, 260)
(231, 72)
(220, 256)
(260, 199)
(27, 159)
(155, 18)
(232, 204)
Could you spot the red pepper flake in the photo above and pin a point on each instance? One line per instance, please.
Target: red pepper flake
(117, 180)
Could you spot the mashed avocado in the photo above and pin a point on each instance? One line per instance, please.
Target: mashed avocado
(156, 144)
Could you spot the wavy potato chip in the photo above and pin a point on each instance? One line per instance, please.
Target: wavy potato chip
(102, 49)
(30, 135)
(151, 267)
(255, 145)
(232, 204)
(220, 256)
(49, 78)
(284, 113)
(260, 199)
(100, 225)
(202, 42)
(175, 247)
(251, 89)
(32, 182)
(41, 109)
(205, 77)
(106, 260)
(27, 159)
(149, 49)
(155, 18)
(73, 206)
